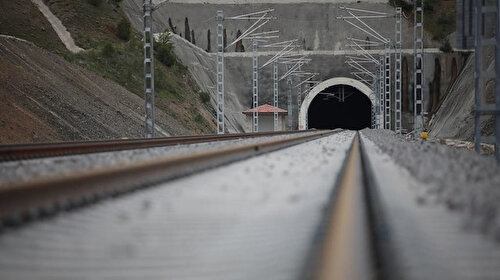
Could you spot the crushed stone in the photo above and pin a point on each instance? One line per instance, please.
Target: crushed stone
(25, 170)
(459, 179)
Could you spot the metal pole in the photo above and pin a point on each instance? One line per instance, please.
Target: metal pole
(275, 93)
(387, 83)
(149, 81)
(299, 95)
(497, 85)
(289, 98)
(418, 104)
(381, 88)
(481, 11)
(478, 77)
(398, 80)
(220, 72)
(255, 86)
(373, 98)
(299, 99)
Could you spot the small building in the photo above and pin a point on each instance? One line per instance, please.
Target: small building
(266, 118)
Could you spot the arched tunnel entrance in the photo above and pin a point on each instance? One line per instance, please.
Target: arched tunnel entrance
(340, 106)
(337, 103)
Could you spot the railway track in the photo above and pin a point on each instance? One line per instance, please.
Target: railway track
(30, 200)
(323, 205)
(12, 152)
(353, 245)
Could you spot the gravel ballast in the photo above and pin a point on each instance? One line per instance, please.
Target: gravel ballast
(26, 170)
(459, 179)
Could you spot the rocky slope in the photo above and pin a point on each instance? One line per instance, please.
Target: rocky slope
(455, 117)
(51, 94)
(45, 98)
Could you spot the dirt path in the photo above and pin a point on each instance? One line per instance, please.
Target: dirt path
(59, 28)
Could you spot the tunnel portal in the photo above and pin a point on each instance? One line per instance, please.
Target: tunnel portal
(340, 106)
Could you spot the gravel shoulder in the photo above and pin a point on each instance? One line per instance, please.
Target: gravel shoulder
(427, 240)
(458, 179)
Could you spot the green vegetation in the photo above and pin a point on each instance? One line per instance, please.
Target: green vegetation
(96, 3)
(204, 97)
(198, 117)
(123, 63)
(446, 47)
(407, 7)
(439, 16)
(113, 50)
(123, 29)
(108, 50)
(164, 49)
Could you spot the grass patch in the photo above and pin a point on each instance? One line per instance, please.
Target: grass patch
(122, 62)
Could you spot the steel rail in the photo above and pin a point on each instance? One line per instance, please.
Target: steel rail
(11, 152)
(346, 250)
(353, 239)
(22, 202)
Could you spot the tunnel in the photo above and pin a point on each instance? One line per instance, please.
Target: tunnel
(340, 106)
(338, 102)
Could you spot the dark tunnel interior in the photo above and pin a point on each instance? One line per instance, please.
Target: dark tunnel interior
(340, 106)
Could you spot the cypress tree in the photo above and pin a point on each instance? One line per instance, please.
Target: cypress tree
(225, 39)
(187, 31)
(208, 40)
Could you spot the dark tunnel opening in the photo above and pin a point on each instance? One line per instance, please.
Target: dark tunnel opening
(340, 106)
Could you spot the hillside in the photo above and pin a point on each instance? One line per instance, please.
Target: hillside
(439, 17)
(25, 21)
(45, 98)
(114, 61)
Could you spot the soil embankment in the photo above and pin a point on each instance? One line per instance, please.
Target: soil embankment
(45, 98)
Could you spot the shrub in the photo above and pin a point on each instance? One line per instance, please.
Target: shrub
(165, 50)
(108, 50)
(95, 3)
(429, 5)
(407, 7)
(199, 118)
(204, 97)
(123, 29)
(446, 46)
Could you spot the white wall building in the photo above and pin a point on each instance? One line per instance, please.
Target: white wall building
(266, 118)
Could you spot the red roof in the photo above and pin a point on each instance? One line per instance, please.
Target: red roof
(266, 108)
